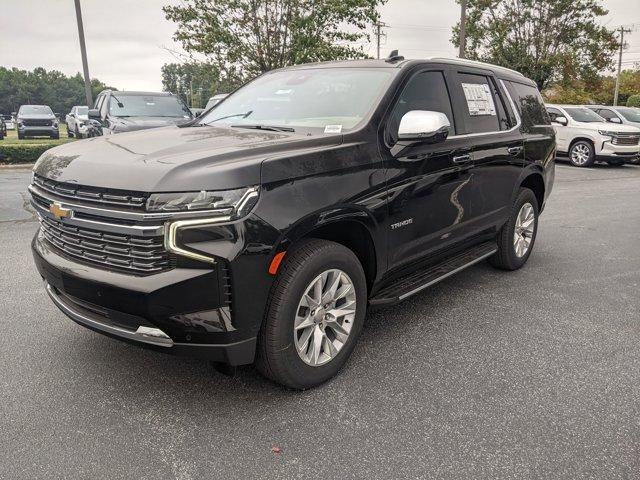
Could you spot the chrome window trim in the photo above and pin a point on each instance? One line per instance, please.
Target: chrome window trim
(171, 234)
(497, 132)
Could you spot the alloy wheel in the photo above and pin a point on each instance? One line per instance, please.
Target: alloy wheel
(523, 231)
(580, 154)
(324, 317)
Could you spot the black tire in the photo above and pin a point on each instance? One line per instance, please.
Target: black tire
(616, 163)
(69, 132)
(277, 357)
(582, 146)
(55, 136)
(506, 257)
(20, 136)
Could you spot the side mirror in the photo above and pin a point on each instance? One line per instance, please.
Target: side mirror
(614, 120)
(94, 113)
(424, 126)
(561, 120)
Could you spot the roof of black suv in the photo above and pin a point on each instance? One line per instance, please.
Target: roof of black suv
(385, 63)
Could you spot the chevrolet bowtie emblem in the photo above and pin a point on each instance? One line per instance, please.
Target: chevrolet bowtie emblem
(59, 211)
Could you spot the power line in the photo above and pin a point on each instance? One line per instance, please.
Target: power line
(615, 96)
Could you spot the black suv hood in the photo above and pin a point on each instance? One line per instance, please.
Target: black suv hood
(131, 124)
(173, 158)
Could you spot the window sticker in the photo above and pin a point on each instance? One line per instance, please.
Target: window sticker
(333, 129)
(479, 99)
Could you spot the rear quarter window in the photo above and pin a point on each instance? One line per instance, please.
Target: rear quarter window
(530, 104)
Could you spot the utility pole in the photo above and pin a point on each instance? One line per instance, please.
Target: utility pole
(378, 35)
(463, 28)
(83, 52)
(615, 96)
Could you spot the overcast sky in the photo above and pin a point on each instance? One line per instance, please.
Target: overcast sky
(128, 41)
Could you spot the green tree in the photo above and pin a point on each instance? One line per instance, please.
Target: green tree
(196, 82)
(244, 38)
(633, 101)
(546, 40)
(42, 87)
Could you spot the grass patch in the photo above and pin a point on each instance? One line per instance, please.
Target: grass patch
(13, 150)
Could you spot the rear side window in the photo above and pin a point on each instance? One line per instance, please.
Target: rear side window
(530, 103)
(483, 108)
(425, 91)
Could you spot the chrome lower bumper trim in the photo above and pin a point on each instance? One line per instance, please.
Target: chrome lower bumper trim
(153, 336)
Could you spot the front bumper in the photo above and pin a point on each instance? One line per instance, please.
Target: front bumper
(204, 310)
(609, 151)
(37, 130)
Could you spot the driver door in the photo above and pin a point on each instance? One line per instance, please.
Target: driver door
(429, 191)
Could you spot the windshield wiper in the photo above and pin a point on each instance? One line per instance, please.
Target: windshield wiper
(243, 115)
(271, 128)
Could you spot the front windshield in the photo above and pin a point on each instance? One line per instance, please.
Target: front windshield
(35, 110)
(581, 114)
(147, 106)
(332, 99)
(630, 113)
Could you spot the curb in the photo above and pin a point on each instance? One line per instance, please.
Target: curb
(16, 166)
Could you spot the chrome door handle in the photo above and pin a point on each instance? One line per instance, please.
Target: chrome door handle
(462, 159)
(514, 150)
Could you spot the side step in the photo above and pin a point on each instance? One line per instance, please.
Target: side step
(406, 286)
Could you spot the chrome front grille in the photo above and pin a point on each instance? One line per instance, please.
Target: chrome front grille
(92, 195)
(626, 139)
(140, 254)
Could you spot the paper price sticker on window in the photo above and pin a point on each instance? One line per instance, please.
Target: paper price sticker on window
(479, 99)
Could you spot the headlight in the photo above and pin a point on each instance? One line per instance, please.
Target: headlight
(234, 203)
(607, 133)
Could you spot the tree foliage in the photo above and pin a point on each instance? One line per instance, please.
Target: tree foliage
(244, 38)
(633, 101)
(598, 91)
(42, 87)
(546, 40)
(196, 82)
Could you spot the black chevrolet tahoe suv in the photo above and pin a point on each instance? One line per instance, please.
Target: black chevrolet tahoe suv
(262, 231)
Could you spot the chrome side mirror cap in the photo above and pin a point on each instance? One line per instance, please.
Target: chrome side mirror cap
(561, 120)
(424, 125)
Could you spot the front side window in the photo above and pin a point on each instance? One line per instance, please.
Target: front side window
(331, 99)
(606, 113)
(425, 91)
(554, 113)
(630, 113)
(147, 106)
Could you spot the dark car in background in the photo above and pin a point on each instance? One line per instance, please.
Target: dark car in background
(36, 121)
(119, 112)
(263, 231)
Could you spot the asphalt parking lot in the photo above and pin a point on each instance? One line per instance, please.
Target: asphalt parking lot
(529, 374)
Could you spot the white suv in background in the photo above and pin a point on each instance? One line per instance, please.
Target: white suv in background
(619, 115)
(585, 137)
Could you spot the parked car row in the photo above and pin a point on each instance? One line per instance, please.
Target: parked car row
(590, 133)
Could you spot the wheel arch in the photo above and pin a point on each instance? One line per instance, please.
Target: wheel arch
(355, 230)
(582, 138)
(534, 181)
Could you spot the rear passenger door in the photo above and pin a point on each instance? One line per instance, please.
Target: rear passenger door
(495, 143)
